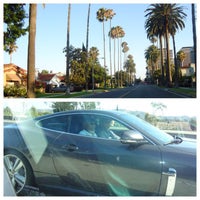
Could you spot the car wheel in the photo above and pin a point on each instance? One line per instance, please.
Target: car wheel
(18, 169)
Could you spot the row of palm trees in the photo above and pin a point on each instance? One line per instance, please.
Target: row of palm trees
(116, 33)
(102, 15)
(163, 21)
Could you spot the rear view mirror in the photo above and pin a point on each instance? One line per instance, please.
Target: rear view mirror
(132, 137)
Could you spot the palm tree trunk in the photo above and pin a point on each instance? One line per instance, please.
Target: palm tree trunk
(110, 49)
(121, 63)
(168, 68)
(104, 47)
(31, 51)
(118, 63)
(162, 63)
(87, 36)
(194, 37)
(67, 63)
(175, 63)
(115, 60)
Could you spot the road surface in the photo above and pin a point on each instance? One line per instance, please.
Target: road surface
(138, 91)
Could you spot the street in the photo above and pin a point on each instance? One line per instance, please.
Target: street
(138, 91)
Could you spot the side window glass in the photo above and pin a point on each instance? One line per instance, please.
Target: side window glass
(88, 125)
(76, 124)
(58, 123)
(109, 128)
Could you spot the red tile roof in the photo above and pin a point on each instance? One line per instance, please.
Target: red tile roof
(45, 77)
(13, 67)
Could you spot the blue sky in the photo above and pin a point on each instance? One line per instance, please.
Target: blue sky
(52, 28)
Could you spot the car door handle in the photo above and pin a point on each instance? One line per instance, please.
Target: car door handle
(171, 182)
(70, 147)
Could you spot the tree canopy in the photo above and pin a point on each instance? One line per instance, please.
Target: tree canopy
(14, 18)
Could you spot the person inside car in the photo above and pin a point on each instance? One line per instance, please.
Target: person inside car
(88, 128)
(104, 129)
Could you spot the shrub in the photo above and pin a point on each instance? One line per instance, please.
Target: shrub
(15, 91)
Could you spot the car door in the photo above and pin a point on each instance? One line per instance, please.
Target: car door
(106, 166)
(72, 153)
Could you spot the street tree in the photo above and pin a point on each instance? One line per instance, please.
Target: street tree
(110, 14)
(31, 51)
(14, 19)
(101, 16)
(169, 18)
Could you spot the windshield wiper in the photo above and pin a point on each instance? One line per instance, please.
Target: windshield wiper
(176, 140)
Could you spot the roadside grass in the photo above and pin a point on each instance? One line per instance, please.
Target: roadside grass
(185, 91)
(71, 95)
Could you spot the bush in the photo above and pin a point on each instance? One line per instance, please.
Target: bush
(15, 91)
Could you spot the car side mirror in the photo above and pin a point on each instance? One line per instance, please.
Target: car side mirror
(132, 137)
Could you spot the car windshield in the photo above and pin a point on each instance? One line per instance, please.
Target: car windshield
(152, 132)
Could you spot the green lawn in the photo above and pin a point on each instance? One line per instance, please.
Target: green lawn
(185, 91)
(63, 95)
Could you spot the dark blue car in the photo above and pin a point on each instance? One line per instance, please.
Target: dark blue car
(98, 153)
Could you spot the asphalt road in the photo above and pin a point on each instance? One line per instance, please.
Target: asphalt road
(138, 91)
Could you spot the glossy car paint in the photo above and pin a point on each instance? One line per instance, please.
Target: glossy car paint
(68, 164)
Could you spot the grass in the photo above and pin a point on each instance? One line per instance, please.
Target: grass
(185, 91)
(63, 95)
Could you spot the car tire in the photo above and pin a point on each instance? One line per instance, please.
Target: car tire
(19, 170)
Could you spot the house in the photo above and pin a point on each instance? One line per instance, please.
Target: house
(14, 75)
(188, 70)
(50, 79)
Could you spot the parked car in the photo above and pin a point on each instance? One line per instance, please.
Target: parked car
(60, 88)
(133, 158)
(63, 88)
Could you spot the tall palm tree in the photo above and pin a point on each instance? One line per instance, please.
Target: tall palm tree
(119, 34)
(87, 37)
(113, 34)
(166, 16)
(109, 15)
(153, 30)
(31, 51)
(125, 49)
(68, 54)
(101, 16)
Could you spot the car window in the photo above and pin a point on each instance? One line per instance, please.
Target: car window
(57, 123)
(99, 126)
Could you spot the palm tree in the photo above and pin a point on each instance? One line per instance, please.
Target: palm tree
(125, 49)
(169, 17)
(113, 34)
(31, 51)
(153, 30)
(93, 53)
(152, 55)
(68, 55)
(130, 68)
(109, 15)
(119, 34)
(87, 36)
(101, 16)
